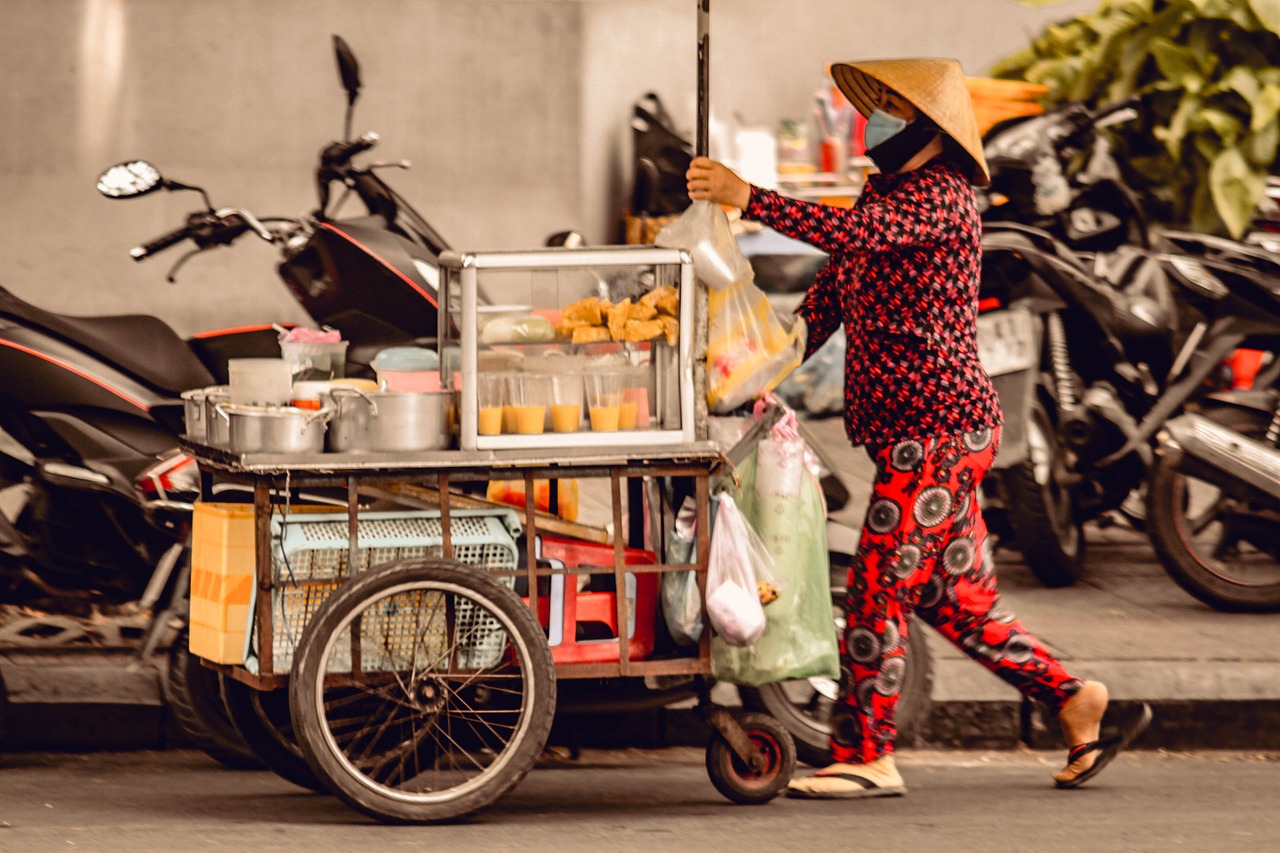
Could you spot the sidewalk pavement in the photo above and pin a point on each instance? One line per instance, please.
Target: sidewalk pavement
(1212, 678)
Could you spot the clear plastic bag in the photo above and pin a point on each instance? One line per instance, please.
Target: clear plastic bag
(817, 386)
(740, 574)
(749, 351)
(681, 602)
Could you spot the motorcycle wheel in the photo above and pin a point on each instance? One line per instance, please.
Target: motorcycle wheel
(1218, 548)
(194, 696)
(262, 718)
(803, 706)
(1040, 509)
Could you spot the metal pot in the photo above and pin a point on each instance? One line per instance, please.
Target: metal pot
(274, 429)
(371, 421)
(217, 430)
(193, 414)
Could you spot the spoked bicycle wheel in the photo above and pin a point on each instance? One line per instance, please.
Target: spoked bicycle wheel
(422, 691)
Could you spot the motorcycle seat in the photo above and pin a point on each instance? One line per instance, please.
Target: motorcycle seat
(143, 346)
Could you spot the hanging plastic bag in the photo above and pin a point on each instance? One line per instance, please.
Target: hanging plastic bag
(740, 576)
(681, 601)
(749, 351)
(817, 386)
(799, 640)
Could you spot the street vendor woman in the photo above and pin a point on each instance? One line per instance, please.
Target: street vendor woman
(903, 279)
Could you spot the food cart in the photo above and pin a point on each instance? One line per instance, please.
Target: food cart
(403, 651)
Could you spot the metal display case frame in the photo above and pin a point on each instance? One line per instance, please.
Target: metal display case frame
(460, 303)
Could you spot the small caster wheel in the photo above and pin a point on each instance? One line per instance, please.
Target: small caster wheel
(735, 779)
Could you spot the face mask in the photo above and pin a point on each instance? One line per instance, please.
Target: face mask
(881, 126)
(892, 153)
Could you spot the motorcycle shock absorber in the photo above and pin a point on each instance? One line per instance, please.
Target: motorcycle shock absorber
(1273, 429)
(1064, 378)
(1076, 425)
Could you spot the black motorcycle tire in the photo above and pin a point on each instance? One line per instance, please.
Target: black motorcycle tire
(262, 719)
(193, 693)
(1166, 526)
(806, 714)
(1041, 514)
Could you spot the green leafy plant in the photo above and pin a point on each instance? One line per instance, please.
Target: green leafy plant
(1208, 76)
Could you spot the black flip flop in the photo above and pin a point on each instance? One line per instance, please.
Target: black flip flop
(867, 788)
(1108, 747)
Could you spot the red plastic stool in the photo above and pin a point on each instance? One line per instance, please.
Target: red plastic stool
(566, 608)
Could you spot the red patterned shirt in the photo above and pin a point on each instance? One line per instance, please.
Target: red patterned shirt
(903, 278)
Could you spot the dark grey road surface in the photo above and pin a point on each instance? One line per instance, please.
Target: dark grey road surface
(655, 801)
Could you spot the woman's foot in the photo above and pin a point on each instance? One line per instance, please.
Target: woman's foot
(1081, 720)
(879, 778)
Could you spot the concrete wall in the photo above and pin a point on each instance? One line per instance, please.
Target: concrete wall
(513, 112)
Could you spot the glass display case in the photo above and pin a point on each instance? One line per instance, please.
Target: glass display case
(560, 348)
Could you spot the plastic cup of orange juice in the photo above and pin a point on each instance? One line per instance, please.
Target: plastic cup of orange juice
(527, 397)
(566, 401)
(491, 393)
(604, 399)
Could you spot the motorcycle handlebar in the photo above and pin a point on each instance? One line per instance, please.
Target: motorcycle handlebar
(340, 153)
(161, 243)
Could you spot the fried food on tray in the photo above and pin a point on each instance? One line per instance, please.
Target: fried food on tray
(617, 318)
(590, 335)
(641, 311)
(589, 311)
(566, 328)
(663, 299)
(641, 330)
(670, 328)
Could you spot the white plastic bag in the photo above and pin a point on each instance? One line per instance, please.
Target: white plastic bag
(740, 574)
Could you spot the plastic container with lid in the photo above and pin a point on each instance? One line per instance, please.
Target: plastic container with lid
(408, 369)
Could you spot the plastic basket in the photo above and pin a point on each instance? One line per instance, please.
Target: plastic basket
(311, 558)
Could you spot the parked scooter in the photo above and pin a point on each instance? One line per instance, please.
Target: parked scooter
(94, 505)
(1214, 492)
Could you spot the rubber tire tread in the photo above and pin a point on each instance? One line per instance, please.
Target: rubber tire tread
(720, 759)
(813, 744)
(1184, 568)
(194, 697)
(280, 759)
(309, 661)
(1029, 517)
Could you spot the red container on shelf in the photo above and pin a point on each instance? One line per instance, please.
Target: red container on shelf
(566, 609)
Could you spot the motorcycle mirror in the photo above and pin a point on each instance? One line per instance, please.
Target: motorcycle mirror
(130, 179)
(348, 69)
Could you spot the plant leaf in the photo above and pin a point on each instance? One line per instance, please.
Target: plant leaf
(1268, 13)
(1236, 189)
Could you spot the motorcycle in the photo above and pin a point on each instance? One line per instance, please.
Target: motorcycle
(1214, 493)
(374, 276)
(94, 499)
(1078, 327)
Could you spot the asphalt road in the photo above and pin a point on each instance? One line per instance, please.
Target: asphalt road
(654, 801)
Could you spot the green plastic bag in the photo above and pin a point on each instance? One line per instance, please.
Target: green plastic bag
(799, 639)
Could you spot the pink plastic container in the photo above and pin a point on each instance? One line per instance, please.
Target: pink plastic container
(409, 380)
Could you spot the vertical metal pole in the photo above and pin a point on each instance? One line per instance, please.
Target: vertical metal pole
(704, 77)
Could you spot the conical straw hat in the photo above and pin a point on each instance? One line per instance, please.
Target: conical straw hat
(936, 87)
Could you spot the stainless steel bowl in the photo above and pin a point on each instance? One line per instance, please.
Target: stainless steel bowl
(373, 421)
(274, 429)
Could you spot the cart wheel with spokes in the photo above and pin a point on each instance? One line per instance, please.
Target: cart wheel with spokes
(422, 691)
(262, 719)
(740, 782)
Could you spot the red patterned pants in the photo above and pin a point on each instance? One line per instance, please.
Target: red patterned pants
(922, 551)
